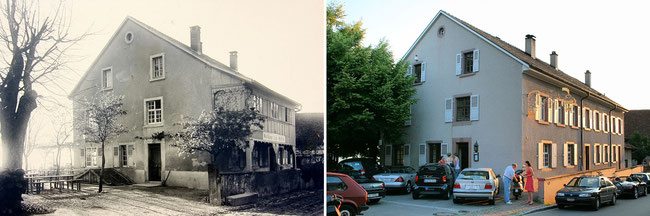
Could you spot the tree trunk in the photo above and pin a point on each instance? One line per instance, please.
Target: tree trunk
(101, 171)
(58, 160)
(214, 183)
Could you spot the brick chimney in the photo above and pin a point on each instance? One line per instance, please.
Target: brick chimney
(233, 60)
(588, 78)
(554, 60)
(530, 45)
(195, 39)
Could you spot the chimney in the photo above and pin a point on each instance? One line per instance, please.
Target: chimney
(588, 78)
(554, 60)
(195, 39)
(233, 60)
(530, 45)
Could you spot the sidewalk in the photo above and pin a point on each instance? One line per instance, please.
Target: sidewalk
(518, 207)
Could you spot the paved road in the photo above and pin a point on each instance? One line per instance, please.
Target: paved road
(403, 204)
(623, 207)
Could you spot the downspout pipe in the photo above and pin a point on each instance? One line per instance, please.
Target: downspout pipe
(582, 132)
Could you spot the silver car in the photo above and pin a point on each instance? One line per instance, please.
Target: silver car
(476, 183)
(397, 178)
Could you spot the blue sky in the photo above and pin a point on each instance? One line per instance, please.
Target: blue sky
(606, 38)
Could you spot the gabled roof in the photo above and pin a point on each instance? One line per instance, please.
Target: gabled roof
(518, 55)
(201, 57)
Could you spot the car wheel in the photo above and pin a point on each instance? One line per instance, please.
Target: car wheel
(408, 188)
(416, 195)
(636, 193)
(491, 201)
(613, 200)
(560, 206)
(347, 210)
(456, 201)
(447, 195)
(597, 204)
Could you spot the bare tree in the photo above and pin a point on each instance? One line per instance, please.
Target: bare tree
(62, 132)
(100, 122)
(33, 130)
(34, 49)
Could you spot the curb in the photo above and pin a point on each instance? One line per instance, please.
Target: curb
(540, 209)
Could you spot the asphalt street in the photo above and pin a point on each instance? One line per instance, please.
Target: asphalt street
(624, 206)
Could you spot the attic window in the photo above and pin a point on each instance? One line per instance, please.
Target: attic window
(128, 37)
(441, 32)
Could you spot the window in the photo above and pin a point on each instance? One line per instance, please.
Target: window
(335, 184)
(153, 111)
(417, 72)
(597, 120)
(107, 78)
(576, 119)
(468, 62)
(422, 149)
(547, 156)
(441, 32)
(157, 67)
(597, 154)
(606, 153)
(462, 109)
(128, 37)
(544, 104)
(261, 155)
(399, 155)
(570, 154)
(560, 112)
(605, 123)
(123, 156)
(407, 149)
(388, 150)
(588, 120)
(91, 156)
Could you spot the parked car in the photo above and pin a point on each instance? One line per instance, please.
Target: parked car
(476, 183)
(354, 196)
(630, 185)
(376, 189)
(434, 179)
(334, 202)
(644, 177)
(367, 166)
(397, 178)
(587, 191)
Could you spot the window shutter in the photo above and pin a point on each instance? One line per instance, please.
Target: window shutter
(550, 109)
(579, 116)
(410, 71)
(538, 110)
(601, 153)
(408, 122)
(458, 64)
(476, 60)
(555, 111)
(474, 108)
(554, 155)
(596, 153)
(566, 154)
(443, 148)
(566, 113)
(423, 154)
(575, 154)
(540, 155)
(115, 151)
(584, 113)
(570, 115)
(449, 112)
(423, 72)
(83, 152)
(591, 119)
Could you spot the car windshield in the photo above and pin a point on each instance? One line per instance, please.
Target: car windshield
(474, 175)
(641, 176)
(432, 170)
(352, 165)
(584, 182)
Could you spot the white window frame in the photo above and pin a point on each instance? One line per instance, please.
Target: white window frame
(107, 79)
(547, 154)
(151, 78)
(162, 112)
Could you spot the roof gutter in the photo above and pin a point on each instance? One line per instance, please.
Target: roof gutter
(582, 132)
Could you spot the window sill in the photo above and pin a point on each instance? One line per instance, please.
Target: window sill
(561, 125)
(546, 169)
(597, 130)
(605, 132)
(587, 129)
(418, 83)
(107, 89)
(596, 164)
(570, 166)
(461, 123)
(574, 127)
(154, 125)
(466, 74)
(156, 79)
(543, 122)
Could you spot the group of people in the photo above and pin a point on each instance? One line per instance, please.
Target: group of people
(509, 174)
(452, 161)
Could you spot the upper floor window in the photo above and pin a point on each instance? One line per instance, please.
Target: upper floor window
(576, 117)
(467, 62)
(597, 120)
(560, 112)
(157, 66)
(153, 111)
(588, 120)
(107, 78)
(462, 109)
(544, 104)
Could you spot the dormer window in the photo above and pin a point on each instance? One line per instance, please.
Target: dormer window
(157, 67)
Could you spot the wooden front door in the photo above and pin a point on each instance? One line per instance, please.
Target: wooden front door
(155, 163)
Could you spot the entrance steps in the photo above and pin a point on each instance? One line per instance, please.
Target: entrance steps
(242, 199)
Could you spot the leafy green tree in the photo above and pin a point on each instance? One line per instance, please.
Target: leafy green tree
(368, 94)
(642, 144)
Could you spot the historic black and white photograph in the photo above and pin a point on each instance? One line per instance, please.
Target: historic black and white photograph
(162, 107)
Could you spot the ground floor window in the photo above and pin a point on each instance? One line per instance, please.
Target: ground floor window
(236, 160)
(571, 154)
(398, 156)
(91, 156)
(261, 154)
(547, 155)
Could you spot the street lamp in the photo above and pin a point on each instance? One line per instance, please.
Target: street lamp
(475, 150)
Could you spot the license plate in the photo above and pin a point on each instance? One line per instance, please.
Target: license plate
(472, 187)
(429, 181)
(373, 195)
(570, 199)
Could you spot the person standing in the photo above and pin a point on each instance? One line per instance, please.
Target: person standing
(507, 181)
(530, 187)
(441, 160)
(456, 165)
(449, 160)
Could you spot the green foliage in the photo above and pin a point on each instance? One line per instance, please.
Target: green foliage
(642, 144)
(309, 131)
(367, 93)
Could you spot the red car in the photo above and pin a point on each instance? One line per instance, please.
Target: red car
(354, 196)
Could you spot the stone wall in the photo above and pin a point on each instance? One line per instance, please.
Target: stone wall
(548, 187)
(263, 183)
